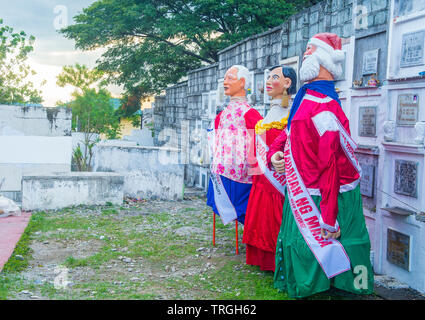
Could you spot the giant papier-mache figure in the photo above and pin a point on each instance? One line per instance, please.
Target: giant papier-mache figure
(264, 212)
(323, 239)
(231, 139)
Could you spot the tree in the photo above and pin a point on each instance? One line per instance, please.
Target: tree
(93, 112)
(14, 50)
(80, 77)
(153, 43)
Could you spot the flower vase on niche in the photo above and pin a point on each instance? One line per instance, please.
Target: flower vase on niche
(373, 81)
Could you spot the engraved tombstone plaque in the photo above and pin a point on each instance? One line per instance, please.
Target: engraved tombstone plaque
(407, 109)
(205, 98)
(266, 97)
(259, 87)
(342, 76)
(406, 177)
(367, 181)
(398, 248)
(212, 104)
(220, 93)
(412, 49)
(367, 121)
(370, 62)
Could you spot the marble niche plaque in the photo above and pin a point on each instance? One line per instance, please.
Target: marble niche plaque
(406, 178)
(407, 109)
(367, 121)
(412, 49)
(370, 62)
(221, 97)
(266, 97)
(259, 87)
(367, 182)
(398, 248)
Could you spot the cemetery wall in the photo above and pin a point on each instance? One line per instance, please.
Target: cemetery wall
(382, 92)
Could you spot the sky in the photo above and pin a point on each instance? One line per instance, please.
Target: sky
(52, 51)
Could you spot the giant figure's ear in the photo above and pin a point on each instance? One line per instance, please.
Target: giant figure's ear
(287, 82)
(243, 81)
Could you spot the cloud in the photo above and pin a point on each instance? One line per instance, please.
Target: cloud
(52, 51)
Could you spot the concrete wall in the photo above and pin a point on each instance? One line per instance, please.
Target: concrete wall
(56, 191)
(402, 143)
(149, 172)
(34, 121)
(141, 137)
(33, 140)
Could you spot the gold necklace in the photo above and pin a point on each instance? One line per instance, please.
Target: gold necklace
(261, 128)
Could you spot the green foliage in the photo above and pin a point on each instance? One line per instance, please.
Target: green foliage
(92, 110)
(151, 44)
(94, 113)
(80, 77)
(14, 50)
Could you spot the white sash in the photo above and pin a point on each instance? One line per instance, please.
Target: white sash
(278, 180)
(225, 208)
(347, 143)
(330, 254)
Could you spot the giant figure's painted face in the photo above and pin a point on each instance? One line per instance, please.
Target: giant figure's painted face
(277, 83)
(232, 85)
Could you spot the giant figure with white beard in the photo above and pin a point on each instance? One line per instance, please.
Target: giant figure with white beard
(323, 239)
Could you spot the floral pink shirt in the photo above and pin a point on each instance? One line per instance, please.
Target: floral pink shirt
(234, 132)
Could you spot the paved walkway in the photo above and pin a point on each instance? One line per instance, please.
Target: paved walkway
(11, 229)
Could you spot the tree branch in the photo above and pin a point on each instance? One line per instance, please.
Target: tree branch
(183, 50)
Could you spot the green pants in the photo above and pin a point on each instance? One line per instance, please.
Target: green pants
(297, 270)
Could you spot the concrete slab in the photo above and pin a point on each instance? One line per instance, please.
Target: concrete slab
(60, 190)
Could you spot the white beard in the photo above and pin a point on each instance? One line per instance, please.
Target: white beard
(310, 68)
(311, 65)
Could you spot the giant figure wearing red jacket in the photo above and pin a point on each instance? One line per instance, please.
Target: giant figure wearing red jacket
(323, 239)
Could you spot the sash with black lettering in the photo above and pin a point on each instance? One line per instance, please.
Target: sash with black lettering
(330, 254)
(278, 180)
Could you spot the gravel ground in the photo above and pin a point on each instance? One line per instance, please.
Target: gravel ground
(149, 250)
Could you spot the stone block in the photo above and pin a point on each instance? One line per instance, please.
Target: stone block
(60, 190)
(314, 17)
(347, 30)
(314, 29)
(291, 51)
(380, 18)
(379, 4)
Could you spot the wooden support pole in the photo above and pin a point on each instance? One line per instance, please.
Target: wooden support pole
(237, 238)
(213, 229)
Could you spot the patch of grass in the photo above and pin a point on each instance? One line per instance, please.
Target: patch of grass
(22, 252)
(110, 211)
(72, 262)
(10, 283)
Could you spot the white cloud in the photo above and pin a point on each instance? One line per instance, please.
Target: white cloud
(51, 50)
